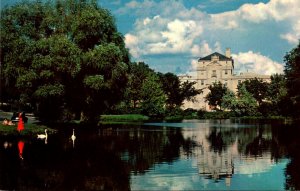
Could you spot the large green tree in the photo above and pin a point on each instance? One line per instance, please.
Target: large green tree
(137, 74)
(292, 72)
(176, 90)
(242, 104)
(257, 87)
(153, 97)
(278, 102)
(62, 56)
(217, 91)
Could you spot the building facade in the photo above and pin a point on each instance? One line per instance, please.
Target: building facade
(216, 67)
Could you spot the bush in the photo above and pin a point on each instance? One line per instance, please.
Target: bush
(200, 113)
(218, 115)
(175, 118)
(124, 118)
(190, 113)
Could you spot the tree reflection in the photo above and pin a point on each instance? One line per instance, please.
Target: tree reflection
(288, 138)
(216, 140)
(278, 140)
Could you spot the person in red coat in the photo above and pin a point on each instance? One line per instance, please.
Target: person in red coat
(20, 123)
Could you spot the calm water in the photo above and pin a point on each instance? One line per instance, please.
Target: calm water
(192, 155)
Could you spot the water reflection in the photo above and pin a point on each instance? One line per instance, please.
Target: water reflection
(21, 147)
(194, 155)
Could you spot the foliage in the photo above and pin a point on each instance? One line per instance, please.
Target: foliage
(174, 111)
(124, 118)
(190, 113)
(188, 91)
(62, 55)
(257, 87)
(137, 74)
(292, 73)
(171, 87)
(200, 113)
(153, 97)
(217, 115)
(278, 100)
(217, 91)
(177, 91)
(242, 105)
(174, 118)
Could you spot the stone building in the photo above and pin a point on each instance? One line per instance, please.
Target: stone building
(216, 67)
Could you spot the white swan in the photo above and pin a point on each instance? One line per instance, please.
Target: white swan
(73, 137)
(43, 136)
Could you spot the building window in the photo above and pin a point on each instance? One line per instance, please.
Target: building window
(226, 72)
(214, 73)
(202, 82)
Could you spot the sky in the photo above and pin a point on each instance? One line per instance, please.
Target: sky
(171, 35)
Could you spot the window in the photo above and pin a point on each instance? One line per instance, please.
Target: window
(202, 82)
(214, 73)
(226, 72)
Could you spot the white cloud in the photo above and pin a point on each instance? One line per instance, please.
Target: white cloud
(158, 35)
(255, 62)
(277, 10)
(287, 11)
(293, 37)
(168, 27)
(201, 50)
(254, 13)
(131, 42)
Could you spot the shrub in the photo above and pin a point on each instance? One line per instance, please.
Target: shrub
(218, 115)
(175, 118)
(124, 118)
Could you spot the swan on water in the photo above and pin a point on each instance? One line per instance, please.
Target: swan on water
(43, 136)
(73, 137)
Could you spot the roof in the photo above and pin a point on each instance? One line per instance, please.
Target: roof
(221, 57)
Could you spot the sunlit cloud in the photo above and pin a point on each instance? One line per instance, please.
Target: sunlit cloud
(255, 62)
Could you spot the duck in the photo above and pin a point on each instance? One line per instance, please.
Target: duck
(43, 136)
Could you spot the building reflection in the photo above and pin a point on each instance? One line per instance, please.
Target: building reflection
(223, 152)
(216, 165)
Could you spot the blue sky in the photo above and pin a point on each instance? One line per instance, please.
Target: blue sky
(171, 35)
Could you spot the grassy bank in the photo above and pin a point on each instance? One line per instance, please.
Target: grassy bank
(29, 130)
(117, 119)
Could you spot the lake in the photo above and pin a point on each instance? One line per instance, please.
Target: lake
(191, 155)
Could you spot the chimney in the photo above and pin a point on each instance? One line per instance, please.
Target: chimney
(228, 54)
